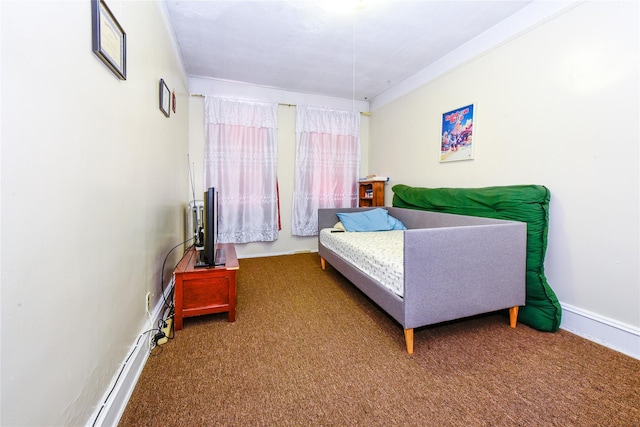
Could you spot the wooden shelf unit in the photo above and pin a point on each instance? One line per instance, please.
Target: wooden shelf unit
(370, 193)
(206, 290)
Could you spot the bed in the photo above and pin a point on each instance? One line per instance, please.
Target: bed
(527, 203)
(443, 266)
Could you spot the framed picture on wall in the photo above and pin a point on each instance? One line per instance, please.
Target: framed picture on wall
(165, 98)
(109, 39)
(456, 134)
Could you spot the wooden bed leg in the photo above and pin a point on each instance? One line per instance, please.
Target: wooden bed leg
(513, 316)
(322, 263)
(408, 337)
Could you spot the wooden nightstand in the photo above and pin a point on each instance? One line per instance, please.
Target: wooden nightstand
(370, 193)
(201, 291)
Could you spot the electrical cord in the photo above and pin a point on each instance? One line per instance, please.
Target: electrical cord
(170, 303)
(162, 324)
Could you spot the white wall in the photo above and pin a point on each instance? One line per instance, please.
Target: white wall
(557, 106)
(286, 243)
(93, 179)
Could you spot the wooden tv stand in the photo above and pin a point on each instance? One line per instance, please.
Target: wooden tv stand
(205, 290)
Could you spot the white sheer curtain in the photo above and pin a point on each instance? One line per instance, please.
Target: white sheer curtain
(327, 164)
(240, 161)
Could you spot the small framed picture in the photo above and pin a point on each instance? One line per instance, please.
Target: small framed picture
(109, 39)
(173, 102)
(165, 98)
(456, 134)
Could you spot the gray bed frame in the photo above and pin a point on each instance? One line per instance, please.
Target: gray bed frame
(455, 266)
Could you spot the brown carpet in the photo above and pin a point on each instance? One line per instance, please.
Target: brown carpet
(308, 348)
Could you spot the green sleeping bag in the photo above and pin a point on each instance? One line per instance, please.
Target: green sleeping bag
(526, 203)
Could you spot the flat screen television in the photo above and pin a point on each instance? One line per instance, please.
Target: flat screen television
(210, 255)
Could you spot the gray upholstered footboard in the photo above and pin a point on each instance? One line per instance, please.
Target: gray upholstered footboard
(455, 266)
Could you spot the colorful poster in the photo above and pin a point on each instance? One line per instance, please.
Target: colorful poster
(456, 141)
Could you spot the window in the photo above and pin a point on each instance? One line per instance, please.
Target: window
(327, 164)
(241, 163)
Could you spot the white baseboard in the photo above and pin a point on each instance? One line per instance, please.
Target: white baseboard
(115, 400)
(610, 333)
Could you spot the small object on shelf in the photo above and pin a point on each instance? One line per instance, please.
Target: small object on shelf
(374, 178)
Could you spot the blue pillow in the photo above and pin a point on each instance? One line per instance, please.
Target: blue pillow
(372, 220)
(396, 224)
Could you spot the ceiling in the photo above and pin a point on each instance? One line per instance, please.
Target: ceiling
(310, 46)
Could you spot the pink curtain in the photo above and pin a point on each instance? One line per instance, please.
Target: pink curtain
(241, 163)
(327, 164)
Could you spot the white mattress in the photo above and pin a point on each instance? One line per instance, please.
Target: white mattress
(379, 254)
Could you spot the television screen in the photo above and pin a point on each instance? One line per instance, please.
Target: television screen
(207, 256)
